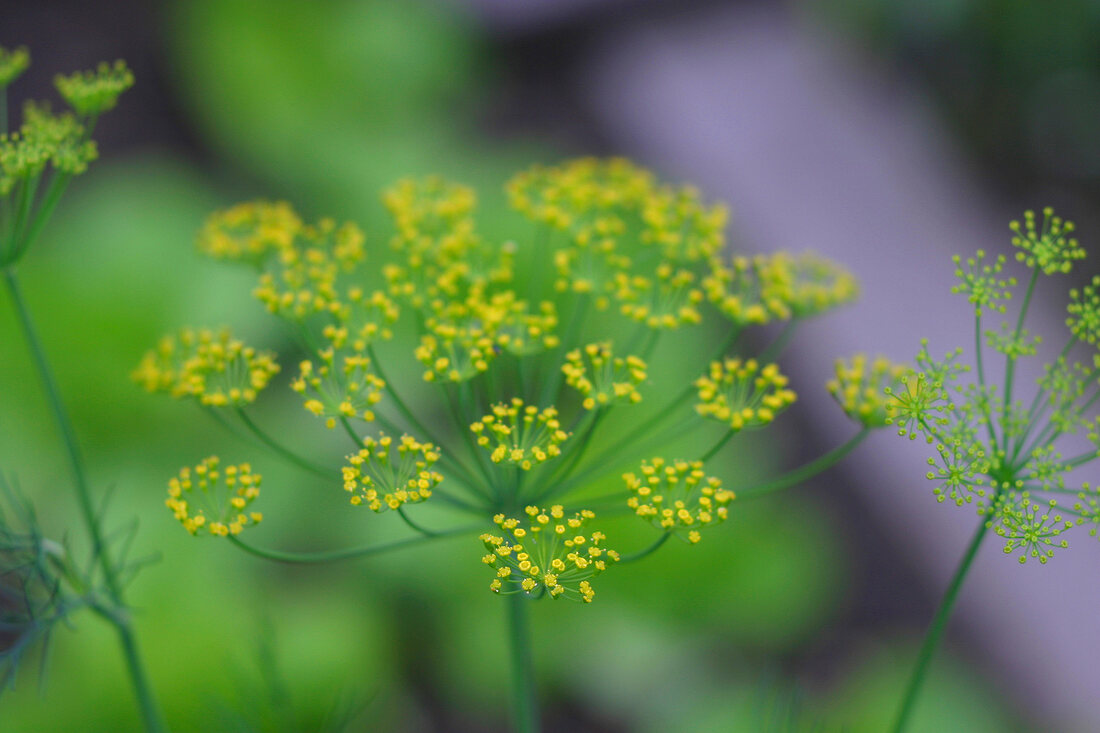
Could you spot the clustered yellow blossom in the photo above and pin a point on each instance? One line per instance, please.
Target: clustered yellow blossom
(777, 287)
(520, 434)
(339, 386)
(250, 232)
(91, 93)
(305, 279)
(743, 394)
(859, 388)
(382, 481)
(677, 496)
(43, 139)
(572, 194)
(210, 366)
(211, 500)
(667, 299)
(362, 319)
(602, 378)
(1049, 247)
(682, 227)
(546, 552)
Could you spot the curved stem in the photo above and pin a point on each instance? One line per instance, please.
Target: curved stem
(935, 630)
(634, 557)
(422, 530)
(150, 712)
(314, 558)
(805, 472)
(280, 449)
(718, 446)
(525, 710)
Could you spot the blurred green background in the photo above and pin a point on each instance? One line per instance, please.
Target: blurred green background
(324, 104)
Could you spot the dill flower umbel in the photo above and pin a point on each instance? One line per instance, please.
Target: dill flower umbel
(382, 480)
(743, 394)
(13, 62)
(210, 366)
(249, 232)
(545, 552)
(91, 93)
(209, 499)
(521, 434)
(677, 495)
(603, 378)
(859, 388)
(339, 388)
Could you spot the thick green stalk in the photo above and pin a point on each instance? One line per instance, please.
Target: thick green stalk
(936, 629)
(525, 709)
(149, 709)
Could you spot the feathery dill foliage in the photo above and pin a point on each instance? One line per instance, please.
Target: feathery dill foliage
(1011, 457)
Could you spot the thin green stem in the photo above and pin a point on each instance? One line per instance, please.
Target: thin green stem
(281, 450)
(981, 378)
(401, 406)
(936, 629)
(150, 712)
(718, 446)
(561, 472)
(422, 530)
(776, 347)
(315, 558)
(1010, 361)
(636, 556)
(58, 184)
(525, 712)
(803, 473)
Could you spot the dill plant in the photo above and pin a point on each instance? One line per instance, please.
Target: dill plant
(43, 582)
(1009, 459)
(535, 350)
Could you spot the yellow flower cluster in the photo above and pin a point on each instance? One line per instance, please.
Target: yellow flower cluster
(777, 287)
(341, 386)
(375, 477)
(574, 193)
(1050, 246)
(592, 264)
(602, 378)
(250, 232)
(211, 366)
(305, 278)
(666, 300)
(362, 319)
(859, 388)
(546, 553)
(43, 138)
(208, 499)
(682, 227)
(520, 434)
(677, 496)
(464, 336)
(742, 394)
(91, 93)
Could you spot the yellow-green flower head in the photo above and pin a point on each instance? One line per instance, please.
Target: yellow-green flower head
(520, 434)
(305, 278)
(517, 330)
(546, 552)
(339, 386)
(743, 394)
(250, 232)
(685, 229)
(918, 406)
(1033, 528)
(677, 496)
(1087, 508)
(859, 388)
(433, 217)
(210, 366)
(749, 291)
(667, 300)
(958, 472)
(591, 262)
(208, 499)
(816, 284)
(91, 93)
(43, 138)
(1084, 312)
(376, 477)
(12, 64)
(602, 378)
(1049, 247)
(362, 320)
(459, 343)
(981, 283)
(569, 195)
(1012, 342)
